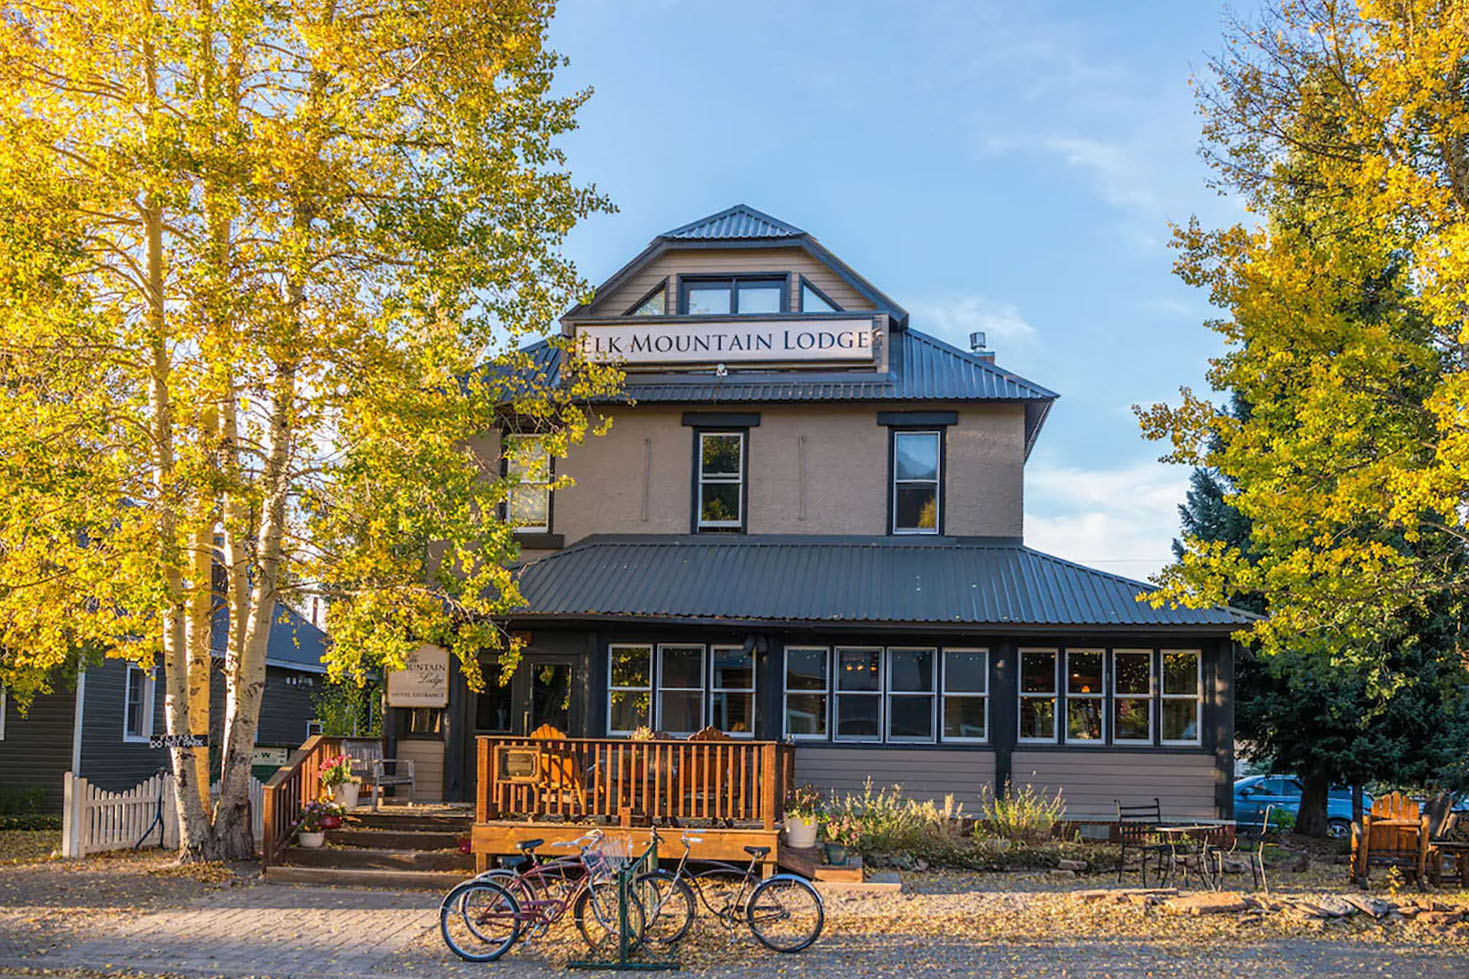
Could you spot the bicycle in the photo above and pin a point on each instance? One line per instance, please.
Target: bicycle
(530, 895)
(785, 913)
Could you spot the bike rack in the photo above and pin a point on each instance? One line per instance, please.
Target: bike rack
(648, 861)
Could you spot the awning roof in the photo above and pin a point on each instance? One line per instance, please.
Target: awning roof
(816, 580)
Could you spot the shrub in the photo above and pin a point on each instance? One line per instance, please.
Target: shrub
(1023, 815)
(804, 803)
(888, 823)
(24, 799)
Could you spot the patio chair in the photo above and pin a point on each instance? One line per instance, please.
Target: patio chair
(1449, 841)
(1253, 860)
(704, 780)
(1136, 828)
(563, 778)
(1395, 833)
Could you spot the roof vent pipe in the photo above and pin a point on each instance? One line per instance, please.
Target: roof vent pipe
(977, 347)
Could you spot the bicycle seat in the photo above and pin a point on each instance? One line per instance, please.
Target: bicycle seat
(757, 851)
(528, 844)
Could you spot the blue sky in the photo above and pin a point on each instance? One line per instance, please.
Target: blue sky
(997, 166)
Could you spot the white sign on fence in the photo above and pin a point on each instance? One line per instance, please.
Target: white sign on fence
(94, 820)
(425, 682)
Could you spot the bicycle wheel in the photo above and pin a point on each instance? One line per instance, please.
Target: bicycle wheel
(723, 890)
(479, 920)
(668, 904)
(785, 913)
(596, 915)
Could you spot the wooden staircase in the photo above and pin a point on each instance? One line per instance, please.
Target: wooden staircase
(397, 848)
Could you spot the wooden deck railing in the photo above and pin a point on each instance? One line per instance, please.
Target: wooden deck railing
(288, 792)
(739, 781)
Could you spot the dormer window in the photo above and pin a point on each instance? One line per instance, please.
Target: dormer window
(813, 300)
(655, 303)
(732, 295)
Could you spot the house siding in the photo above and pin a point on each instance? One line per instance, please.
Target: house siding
(921, 773)
(1092, 782)
(37, 745)
(108, 761)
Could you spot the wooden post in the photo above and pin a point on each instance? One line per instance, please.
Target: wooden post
(767, 785)
(68, 816)
(268, 832)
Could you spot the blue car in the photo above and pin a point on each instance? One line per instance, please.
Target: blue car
(1253, 794)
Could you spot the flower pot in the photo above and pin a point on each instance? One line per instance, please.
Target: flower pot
(331, 822)
(836, 855)
(800, 833)
(346, 794)
(311, 840)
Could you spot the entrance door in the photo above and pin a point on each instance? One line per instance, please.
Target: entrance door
(548, 694)
(542, 691)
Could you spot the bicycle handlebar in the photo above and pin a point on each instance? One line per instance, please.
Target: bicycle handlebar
(582, 841)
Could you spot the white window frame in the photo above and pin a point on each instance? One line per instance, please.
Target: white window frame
(719, 479)
(880, 694)
(944, 694)
(661, 688)
(1148, 697)
(932, 695)
(611, 655)
(545, 487)
(4, 703)
(1197, 696)
(1022, 696)
(785, 695)
(149, 694)
(313, 727)
(1100, 697)
(741, 691)
(937, 481)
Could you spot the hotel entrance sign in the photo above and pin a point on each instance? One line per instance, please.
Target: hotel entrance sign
(729, 341)
(425, 681)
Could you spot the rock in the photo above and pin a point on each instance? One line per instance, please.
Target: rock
(920, 865)
(1076, 865)
(1440, 920)
(1063, 874)
(1233, 866)
(1208, 902)
(1301, 864)
(1368, 905)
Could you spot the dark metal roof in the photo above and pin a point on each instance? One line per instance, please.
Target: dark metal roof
(294, 643)
(740, 221)
(795, 579)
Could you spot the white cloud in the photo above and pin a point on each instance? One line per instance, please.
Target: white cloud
(954, 319)
(1117, 169)
(1121, 520)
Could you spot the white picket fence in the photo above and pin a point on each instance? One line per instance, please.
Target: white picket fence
(95, 820)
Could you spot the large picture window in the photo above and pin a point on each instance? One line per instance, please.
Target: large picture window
(911, 686)
(680, 689)
(137, 716)
(916, 482)
(732, 690)
(1086, 703)
(966, 694)
(1182, 696)
(1132, 696)
(528, 465)
(807, 686)
(858, 693)
(733, 296)
(721, 485)
(629, 688)
(1038, 695)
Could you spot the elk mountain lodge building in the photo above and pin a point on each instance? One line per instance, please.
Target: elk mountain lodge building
(805, 531)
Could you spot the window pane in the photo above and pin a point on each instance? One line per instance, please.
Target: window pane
(527, 459)
(630, 666)
(492, 705)
(1084, 720)
(1180, 720)
(859, 717)
(720, 454)
(805, 669)
(719, 503)
(1133, 672)
(627, 710)
(966, 671)
(806, 713)
(732, 712)
(917, 508)
(680, 712)
(1083, 672)
(1181, 673)
(917, 455)
(859, 669)
(1131, 723)
(709, 299)
(1037, 717)
(529, 506)
(910, 717)
(683, 666)
(1037, 672)
(652, 306)
(964, 717)
(811, 301)
(733, 668)
(759, 297)
(911, 670)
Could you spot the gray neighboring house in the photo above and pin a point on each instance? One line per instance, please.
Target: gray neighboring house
(99, 727)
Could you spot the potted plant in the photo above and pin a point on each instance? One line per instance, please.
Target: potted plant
(311, 830)
(336, 778)
(843, 834)
(803, 816)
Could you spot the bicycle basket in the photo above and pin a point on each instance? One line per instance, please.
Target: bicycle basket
(608, 856)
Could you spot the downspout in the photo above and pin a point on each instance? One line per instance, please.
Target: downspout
(76, 730)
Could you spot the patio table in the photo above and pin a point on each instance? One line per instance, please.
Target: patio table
(1178, 833)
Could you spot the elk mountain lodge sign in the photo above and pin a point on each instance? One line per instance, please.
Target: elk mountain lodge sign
(846, 340)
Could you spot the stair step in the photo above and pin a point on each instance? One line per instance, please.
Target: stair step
(394, 880)
(396, 839)
(362, 858)
(412, 822)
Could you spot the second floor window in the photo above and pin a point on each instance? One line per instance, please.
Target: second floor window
(721, 481)
(916, 482)
(737, 296)
(529, 505)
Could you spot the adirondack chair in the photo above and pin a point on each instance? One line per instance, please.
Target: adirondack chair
(1395, 833)
(1449, 840)
(561, 767)
(704, 779)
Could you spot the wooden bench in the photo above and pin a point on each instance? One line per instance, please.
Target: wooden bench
(376, 771)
